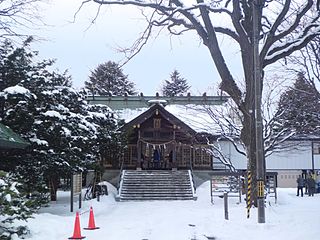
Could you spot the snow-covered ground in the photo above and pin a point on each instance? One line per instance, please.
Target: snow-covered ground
(291, 218)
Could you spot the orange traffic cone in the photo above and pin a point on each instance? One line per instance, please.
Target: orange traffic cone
(77, 231)
(91, 224)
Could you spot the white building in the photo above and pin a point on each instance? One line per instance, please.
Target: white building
(294, 159)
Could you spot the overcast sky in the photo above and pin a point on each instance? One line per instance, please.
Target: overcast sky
(80, 47)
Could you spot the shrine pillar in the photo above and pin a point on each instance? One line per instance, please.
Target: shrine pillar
(174, 151)
(138, 165)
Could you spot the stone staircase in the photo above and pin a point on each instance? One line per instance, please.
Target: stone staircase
(141, 185)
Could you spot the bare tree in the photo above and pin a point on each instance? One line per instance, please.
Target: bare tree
(279, 37)
(307, 61)
(15, 15)
(226, 124)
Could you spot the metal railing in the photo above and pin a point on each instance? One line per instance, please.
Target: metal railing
(191, 175)
(120, 175)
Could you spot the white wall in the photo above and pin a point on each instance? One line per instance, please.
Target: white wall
(290, 159)
(288, 179)
(316, 161)
(238, 160)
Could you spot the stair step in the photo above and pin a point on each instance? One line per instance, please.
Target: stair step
(164, 191)
(156, 194)
(156, 188)
(156, 182)
(156, 179)
(155, 185)
(143, 186)
(154, 198)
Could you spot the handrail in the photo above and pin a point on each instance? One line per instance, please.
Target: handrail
(120, 183)
(120, 175)
(192, 183)
(191, 175)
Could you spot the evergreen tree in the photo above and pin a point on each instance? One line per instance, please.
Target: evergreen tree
(13, 206)
(175, 86)
(109, 79)
(299, 108)
(44, 108)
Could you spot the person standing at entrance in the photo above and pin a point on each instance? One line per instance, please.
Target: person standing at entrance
(142, 161)
(300, 185)
(156, 158)
(311, 183)
(170, 158)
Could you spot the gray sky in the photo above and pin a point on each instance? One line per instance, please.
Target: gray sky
(80, 47)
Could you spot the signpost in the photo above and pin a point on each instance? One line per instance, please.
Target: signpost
(76, 187)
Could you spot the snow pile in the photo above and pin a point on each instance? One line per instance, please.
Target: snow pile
(291, 218)
(54, 114)
(16, 90)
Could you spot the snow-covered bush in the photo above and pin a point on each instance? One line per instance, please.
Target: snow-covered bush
(13, 206)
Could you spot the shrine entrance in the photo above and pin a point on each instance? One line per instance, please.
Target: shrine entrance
(157, 156)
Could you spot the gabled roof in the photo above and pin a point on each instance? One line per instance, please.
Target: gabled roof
(9, 139)
(164, 113)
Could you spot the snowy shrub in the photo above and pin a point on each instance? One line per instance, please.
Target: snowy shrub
(14, 206)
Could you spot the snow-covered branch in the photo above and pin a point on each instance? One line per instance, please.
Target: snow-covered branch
(287, 41)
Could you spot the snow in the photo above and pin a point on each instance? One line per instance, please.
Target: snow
(55, 114)
(2, 182)
(194, 116)
(39, 141)
(159, 101)
(291, 218)
(16, 90)
(129, 114)
(97, 115)
(8, 197)
(66, 131)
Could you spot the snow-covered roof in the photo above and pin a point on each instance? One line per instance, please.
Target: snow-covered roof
(9, 139)
(191, 115)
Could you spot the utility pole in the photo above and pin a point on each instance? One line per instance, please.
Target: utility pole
(260, 168)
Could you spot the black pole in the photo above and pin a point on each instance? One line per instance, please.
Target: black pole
(312, 156)
(71, 195)
(80, 202)
(226, 213)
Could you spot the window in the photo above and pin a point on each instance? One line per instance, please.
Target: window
(316, 148)
(157, 123)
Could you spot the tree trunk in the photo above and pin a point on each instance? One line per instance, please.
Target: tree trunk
(248, 137)
(53, 186)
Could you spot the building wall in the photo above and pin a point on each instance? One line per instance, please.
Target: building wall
(238, 160)
(288, 179)
(288, 163)
(316, 161)
(297, 158)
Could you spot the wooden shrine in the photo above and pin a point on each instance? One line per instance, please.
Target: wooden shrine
(156, 138)
(159, 140)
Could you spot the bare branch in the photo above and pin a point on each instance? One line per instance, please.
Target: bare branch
(287, 48)
(79, 9)
(17, 14)
(270, 37)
